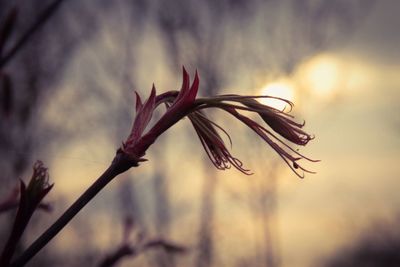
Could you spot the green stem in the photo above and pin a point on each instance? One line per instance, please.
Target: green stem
(118, 166)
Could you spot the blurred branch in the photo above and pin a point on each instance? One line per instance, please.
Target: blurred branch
(46, 14)
(7, 27)
(116, 256)
(128, 250)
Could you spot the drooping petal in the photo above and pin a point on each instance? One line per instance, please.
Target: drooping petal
(213, 143)
(280, 123)
(286, 129)
(290, 159)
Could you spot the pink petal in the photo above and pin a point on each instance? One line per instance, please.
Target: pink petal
(191, 96)
(143, 116)
(139, 104)
(185, 84)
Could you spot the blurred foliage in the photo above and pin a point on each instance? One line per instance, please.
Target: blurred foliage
(379, 245)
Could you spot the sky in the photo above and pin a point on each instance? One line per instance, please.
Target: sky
(357, 140)
(347, 93)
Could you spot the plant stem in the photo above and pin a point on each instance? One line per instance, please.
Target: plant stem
(118, 166)
(20, 223)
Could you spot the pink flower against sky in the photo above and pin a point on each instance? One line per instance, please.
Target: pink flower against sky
(282, 129)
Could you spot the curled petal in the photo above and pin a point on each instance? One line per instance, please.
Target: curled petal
(167, 97)
(243, 98)
(282, 125)
(39, 185)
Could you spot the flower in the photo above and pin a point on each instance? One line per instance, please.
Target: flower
(30, 198)
(184, 103)
(12, 201)
(32, 195)
(38, 186)
(279, 121)
(178, 106)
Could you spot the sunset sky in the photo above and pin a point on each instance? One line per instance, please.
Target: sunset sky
(347, 92)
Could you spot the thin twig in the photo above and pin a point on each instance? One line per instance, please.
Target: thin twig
(44, 16)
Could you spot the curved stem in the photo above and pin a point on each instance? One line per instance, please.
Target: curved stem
(118, 166)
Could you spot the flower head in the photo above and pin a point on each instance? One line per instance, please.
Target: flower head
(178, 106)
(184, 103)
(30, 198)
(37, 189)
(32, 195)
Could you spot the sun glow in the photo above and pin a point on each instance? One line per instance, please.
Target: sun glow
(323, 75)
(282, 89)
